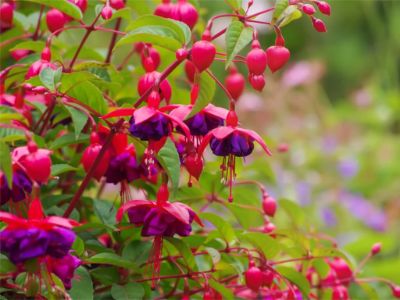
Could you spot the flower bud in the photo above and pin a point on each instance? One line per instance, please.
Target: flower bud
(308, 9)
(319, 25)
(376, 248)
(324, 7)
(106, 12)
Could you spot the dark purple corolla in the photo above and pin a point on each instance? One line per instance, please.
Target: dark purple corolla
(21, 185)
(64, 268)
(122, 167)
(154, 128)
(235, 144)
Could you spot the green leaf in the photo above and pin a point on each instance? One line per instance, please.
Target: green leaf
(290, 14)
(111, 259)
(90, 95)
(321, 266)
(60, 169)
(235, 4)
(206, 93)
(63, 5)
(82, 285)
(78, 246)
(79, 119)
(280, 6)
(6, 266)
(105, 211)
(226, 293)
(106, 275)
(237, 37)
(36, 46)
(169, 159)
(295, 277)
(185, 251)
(214, 254)
(11, 134)
(68, 139)
(159, 31)
(129, 291)
(293, 210)
(223, 227)
(269, 246)
(5, 162)
(50, 77)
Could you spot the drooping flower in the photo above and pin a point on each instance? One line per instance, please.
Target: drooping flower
(123, 167)
(159, 218)
(36, 236)
(231, 141)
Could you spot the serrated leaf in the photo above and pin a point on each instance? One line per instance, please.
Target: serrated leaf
(237, 37)
(169, 159)
(63, 5)
(268, 245)
(82, 285)
(223, 227)
(295, 277)
(129, 291)
(11, 134)
(5, 162)
(61, 168)
(206, 93)
(185, 251)
(79, 119)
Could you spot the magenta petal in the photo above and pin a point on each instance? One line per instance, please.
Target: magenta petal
(256, 137)
(222, 132)
(60, 221)
(179, 212)
(122, 112)
(181, 124)
(181, 112)
(144, 113)
(131, 204)
(216, 111)
(10, 218)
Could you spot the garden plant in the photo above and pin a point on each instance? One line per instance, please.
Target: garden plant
(127, 174)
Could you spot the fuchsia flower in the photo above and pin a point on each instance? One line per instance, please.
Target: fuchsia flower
(161, 217)
(36, 236)
(63, 267)
(231, 141)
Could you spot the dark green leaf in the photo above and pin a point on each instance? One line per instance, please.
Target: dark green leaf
(79, 119)
(63, 5)
(106, 275)
(82, 285)
(185, 251)
(78, 246)
(47, 77)
(129, 291)
(223, 227)
(6, 266)
(169, 160)
(90, 95)
(5, 162)
(226, 293)
(237, 37)
(60, 169)
(295, 277)
(105, 211)
(206, 93)
(321, 266)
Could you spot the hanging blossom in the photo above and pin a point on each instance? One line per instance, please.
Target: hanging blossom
(231, 141)
(159, 218)
(48, 239)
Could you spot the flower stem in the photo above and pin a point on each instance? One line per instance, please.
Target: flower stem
(92, 169)
(113, 40)
(35, 35)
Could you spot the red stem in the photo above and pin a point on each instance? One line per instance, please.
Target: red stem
(35, 35)
(89, 174)
(113, 40)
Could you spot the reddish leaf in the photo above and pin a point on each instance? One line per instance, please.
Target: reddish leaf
(121, 112)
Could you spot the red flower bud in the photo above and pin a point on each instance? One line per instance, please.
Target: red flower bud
(396, 291)
(89, 156)
(150, 59)
(308, 9)
(256, 61)
(269, 205)
(194, 165)
(342, 269)
(254, 278)
(185, 12)
(164, 9)
(6, 15)
(235, 84)
(324, 7)
(203, 53)
(340, 293)
(257, 82)
(37, 163)
(277, 56)
(20, 54)
(117, 4)
(106, 12)
(282, 148)
(319, 25)
(55, 20)
(190, 70)
(147, 81)
(376, 248)
(181, 54)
